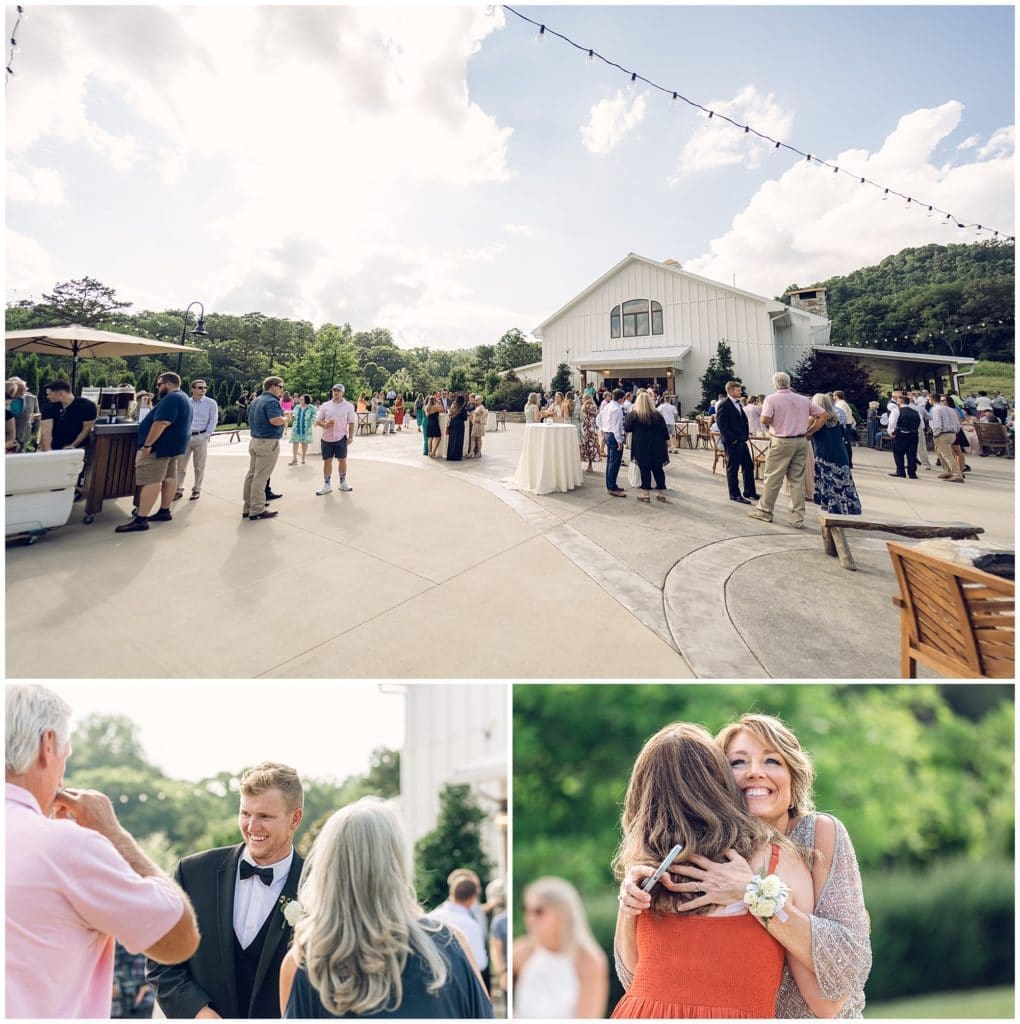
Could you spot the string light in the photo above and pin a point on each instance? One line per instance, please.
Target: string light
(14, 45)
(676, 96)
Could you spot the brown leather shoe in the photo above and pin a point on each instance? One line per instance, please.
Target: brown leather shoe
(267, 514)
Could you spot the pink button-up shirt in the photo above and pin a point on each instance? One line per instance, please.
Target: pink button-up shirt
(69, 894)
(790, 413)
(343, 416)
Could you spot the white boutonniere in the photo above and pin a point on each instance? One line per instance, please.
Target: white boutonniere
(292, 911)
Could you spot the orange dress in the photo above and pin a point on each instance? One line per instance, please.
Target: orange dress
(723, 967)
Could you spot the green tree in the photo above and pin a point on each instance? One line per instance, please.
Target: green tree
(402, 382)
(455, 842)
(84, 301)
(458, 379)
(513, 350)
(823, 372)
(102, 741)
(717, 373)
(561, 379)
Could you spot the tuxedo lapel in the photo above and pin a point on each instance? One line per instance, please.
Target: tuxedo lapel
(279, 930)
(225, 884)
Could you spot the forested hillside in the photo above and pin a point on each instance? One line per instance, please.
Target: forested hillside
(956, 299)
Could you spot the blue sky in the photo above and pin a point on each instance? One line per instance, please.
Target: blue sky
(435, 171)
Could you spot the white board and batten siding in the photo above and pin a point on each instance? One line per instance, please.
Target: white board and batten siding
(454, 734)
(696, 312)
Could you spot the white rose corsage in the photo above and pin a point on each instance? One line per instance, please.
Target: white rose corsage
(765, 897)
(292, 911)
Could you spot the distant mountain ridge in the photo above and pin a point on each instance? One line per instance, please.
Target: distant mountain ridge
(953, 299)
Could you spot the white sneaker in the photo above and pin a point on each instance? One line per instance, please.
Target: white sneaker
(345, 486)
(324, 489)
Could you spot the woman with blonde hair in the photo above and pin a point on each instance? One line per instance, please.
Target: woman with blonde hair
(718, 959)
(776, 776)
(532, 410)
(649, 445)
(363, 947)
(560, 972)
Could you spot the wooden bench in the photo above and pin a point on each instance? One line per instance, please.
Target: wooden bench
(955, 619)
(835, 542)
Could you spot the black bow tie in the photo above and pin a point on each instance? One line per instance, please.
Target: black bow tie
(247, 870)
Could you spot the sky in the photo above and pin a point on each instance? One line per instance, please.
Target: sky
(193, 730)
(439, 172)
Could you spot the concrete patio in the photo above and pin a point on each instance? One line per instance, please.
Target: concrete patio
(435, 570)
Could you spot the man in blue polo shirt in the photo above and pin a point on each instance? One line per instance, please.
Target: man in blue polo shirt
(266, 420)
(162, 436)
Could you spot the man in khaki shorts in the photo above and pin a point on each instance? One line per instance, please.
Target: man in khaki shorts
(162, 436)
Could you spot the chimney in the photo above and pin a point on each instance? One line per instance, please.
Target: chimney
(811, 300)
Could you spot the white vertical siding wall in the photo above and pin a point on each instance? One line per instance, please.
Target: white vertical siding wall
(695, 313)
(449, 728)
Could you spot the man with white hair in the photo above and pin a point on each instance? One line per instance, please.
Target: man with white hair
(791, 418)
(76, 880)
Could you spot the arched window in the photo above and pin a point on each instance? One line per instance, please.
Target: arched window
(632, 319)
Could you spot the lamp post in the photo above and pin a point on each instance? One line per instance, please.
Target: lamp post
(199, 330)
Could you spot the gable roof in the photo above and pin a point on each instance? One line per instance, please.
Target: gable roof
(633, 257)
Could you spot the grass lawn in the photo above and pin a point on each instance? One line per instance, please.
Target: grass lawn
(984, 1002)
(991, 377)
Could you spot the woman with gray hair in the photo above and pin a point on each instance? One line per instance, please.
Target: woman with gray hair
(834, 483)
(24, 406)
(363, 947)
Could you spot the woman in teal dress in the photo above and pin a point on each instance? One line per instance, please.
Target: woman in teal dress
(302, 419)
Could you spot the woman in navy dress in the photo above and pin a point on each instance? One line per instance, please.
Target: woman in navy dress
(364, 948)
(455, 430)
(834, 484)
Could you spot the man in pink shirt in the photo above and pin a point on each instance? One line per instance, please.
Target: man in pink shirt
(76, 880)
(792, 418)
(336, 417)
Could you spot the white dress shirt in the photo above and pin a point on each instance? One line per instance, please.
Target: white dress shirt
(254, 900)
(205, 414)
(610, 421)
(460, 917)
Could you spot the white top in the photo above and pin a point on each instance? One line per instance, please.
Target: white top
(254, 900)
(547, 986)
(668, 412)
(462, 918)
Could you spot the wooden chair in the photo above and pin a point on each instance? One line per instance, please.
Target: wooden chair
(955, 619)
(365, 425)
(759, 450)
(704, 438)
(682, 429)
(993, 438)
(718, 452)
(501, 421)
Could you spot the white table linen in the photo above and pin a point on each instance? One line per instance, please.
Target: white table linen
(550, 460)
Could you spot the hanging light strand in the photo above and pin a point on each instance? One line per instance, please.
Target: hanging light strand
(675, 96)
(13, 44)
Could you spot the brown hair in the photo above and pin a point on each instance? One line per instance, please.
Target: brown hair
(271, 382)
(272, 775)
(682, 791)
(775, 734)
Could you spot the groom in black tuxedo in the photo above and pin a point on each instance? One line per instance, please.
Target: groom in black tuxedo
(734, 431)
(239, 893)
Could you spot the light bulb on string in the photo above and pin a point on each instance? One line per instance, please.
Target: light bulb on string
(885, 195)
(674, 100)
(590, 58)
(540, 38)
(632, 84)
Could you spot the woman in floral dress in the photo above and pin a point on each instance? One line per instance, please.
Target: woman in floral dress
(589, 434)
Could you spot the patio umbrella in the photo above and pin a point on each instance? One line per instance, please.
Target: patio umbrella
(77, 342)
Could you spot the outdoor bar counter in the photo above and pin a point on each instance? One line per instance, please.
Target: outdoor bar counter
(110, 465)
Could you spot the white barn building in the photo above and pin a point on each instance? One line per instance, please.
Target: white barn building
(647, 322)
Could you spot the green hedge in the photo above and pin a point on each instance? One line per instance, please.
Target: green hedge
(948, 928)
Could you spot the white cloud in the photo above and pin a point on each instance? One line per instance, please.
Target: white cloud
(523, 230)
(27, 184)
(714, 143)
(1002, 143)
(970, 142)
(322, 130)
(810, 224)
(611, 120)
(29, 268)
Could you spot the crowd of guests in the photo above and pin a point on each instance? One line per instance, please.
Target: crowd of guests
(466, 422)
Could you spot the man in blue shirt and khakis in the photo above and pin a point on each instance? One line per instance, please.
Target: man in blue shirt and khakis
(266, 421)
